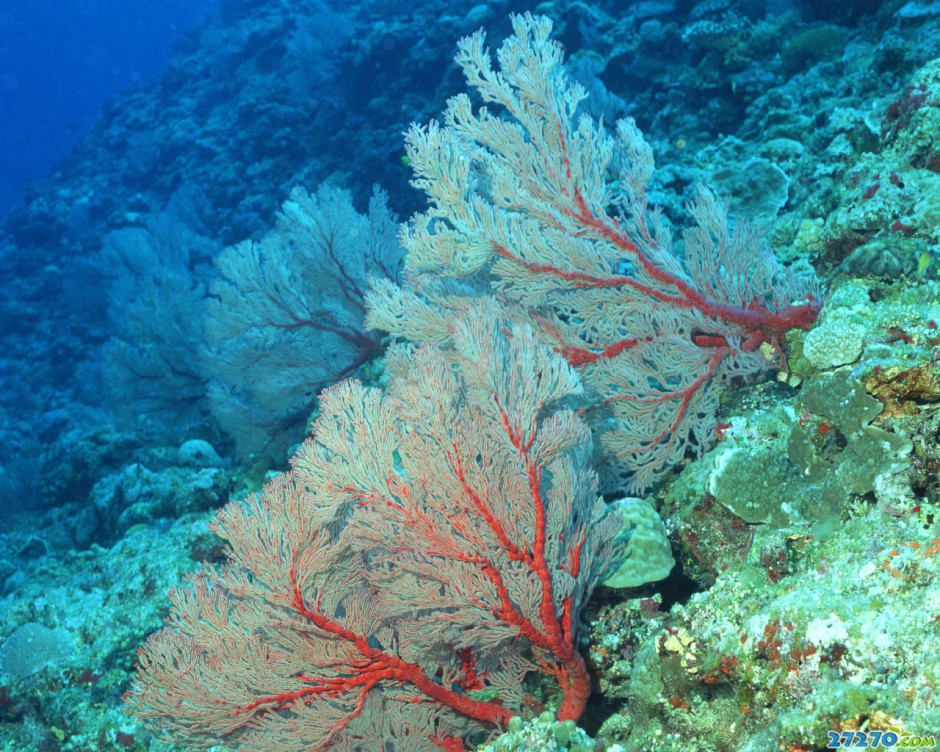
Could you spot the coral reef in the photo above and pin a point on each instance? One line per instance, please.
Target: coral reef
(803, 597)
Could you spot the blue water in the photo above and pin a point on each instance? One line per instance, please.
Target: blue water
(61, 61)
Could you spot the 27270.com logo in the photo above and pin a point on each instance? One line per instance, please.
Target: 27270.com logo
(879, 740)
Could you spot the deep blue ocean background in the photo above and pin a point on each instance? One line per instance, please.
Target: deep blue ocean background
(60, 62)
(147, 147)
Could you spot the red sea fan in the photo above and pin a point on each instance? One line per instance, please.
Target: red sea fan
(430, 548)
